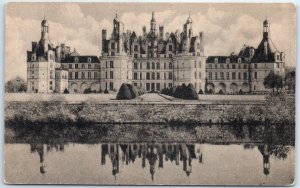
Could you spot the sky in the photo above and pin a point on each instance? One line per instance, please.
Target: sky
(226, 27)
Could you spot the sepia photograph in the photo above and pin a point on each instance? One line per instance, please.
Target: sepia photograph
(150, 93)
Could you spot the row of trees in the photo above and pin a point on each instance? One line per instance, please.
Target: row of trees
(128, 92)
(182, 92)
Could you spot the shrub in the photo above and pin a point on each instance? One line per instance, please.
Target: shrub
(210, 91)
(66, 91)
(133, 90)
(200, 91)
(221, 92)
(124, 93)
(241, 92)
(106, 91)
(191, 93)
(87, 91)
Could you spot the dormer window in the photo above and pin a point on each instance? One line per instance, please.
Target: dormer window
(216, 60)
(227, 60)
(33, 57)
(76, 59)
(239, 60)
(89, 59)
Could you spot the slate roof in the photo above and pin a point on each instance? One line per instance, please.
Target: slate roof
(81, 59)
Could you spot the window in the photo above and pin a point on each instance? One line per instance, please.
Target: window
(199, 75)
(111, 63)
(135, 66)
(277, 65)
(165, 65)
(135, 47)
(165, 75)
(147, 86)
(170, 65)
(255, 75)
(70, 75)
(148, 76)
(51, 74)
(216, 66)
(76, 66)
(106, 74)
(239, 60)
(199, 64)
(141, 76)
(221, 66)
(227, 60)
(170, 75)
(112, 45)
(195, 75)
(210, 75)
(157, 65)
(76, 75)
(170, 55)
(83, 66)
(50, 87)
(233, 66)
(158, 76)
(148, 66)
(89, 66)
(89, 75)
(153, 76)
(153, 65)
(239, 76)
(106, 64)
(96, 75)
(135, 76)
(135, 55)
(170, 47)
(233, 75)
(76, 59)
(170, 85)
(82, 75)
(227, 66)
(239, 66)
(141, 65)
(111, 75)
(111, 86)
(216, 75)
(210, 66)
(157, 86)
(255, 66)
(195, 64)
(227, 75)
(89, 59)
(245, 76)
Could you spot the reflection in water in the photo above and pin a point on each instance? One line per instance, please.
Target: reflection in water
(153, 153)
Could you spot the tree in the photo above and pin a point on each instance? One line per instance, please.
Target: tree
(124, 93)
(273, 81)
(200, 91)
(66, 91)
(290, 81)
(16, 85)
(191, 92)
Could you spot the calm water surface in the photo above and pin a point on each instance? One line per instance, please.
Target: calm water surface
(147, 163)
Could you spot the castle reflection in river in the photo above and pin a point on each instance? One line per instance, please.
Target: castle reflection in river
(154, 154)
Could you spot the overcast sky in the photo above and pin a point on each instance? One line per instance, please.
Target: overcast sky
(227, 27)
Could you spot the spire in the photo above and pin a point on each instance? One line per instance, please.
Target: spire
(116, 13)
(152, 19)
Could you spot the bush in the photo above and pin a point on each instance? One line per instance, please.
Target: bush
(221, 92)
(66, 91)
(241, 92)
(210, 91)
(106, 91)
(191, 93)
(200, 91)
(133, 90)
(87, 91)
(124, 93)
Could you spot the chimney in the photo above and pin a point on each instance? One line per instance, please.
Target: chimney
(201, 37)
(34, 44)
(103, 34)
(167, 35)
(161, 32)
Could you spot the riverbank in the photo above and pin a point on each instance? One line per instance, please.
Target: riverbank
(278, 109)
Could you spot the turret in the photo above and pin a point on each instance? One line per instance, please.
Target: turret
(153, 24)
(266, 29)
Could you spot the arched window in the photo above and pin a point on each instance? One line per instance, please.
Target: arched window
(239, 60)
(216, 60)
(76, 59)
(227, 60)
(89, 59)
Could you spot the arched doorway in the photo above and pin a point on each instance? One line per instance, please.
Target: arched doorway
(74, 88)
(210, 88)
(84, 86)
(245, 87)
(233, 88)
(221, 88)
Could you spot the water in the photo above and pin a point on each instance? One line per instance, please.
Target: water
(132, 160)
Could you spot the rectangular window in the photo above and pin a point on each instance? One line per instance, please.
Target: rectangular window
(170, 75)
(245, 66)
(216, 66)
(255, 75)
(148, 66)
(170, 65)
(170, 55)
(148, 75)
(157, 66)
(89, 75)
(96, 75)
(111, 64)
(153, 65)
(165, 65)
(233, 76)
(111, 86)
(222, 75)
(76, 66)
(70, 66)
(141, 76)
(255, 66)
(158, 86)
(89, 66)
(210, 75)
(82, 75)
(227, 66)
(147, 86)
(70, 75)
(221, 66)
(227, 75)
(210, 66)
(233, 66)
(112, 45)
(135, 55)
(135, 76)
(170, 48)
(106, 64)
(153, 76)
(239, 66)
(83, 66)
(106, 74)
(135, 66)
(245, 76)
(141, 65)
(76, 75)
(111, 75)
(239, 76)
(170, 85)
(216, 75)
(158, 76)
